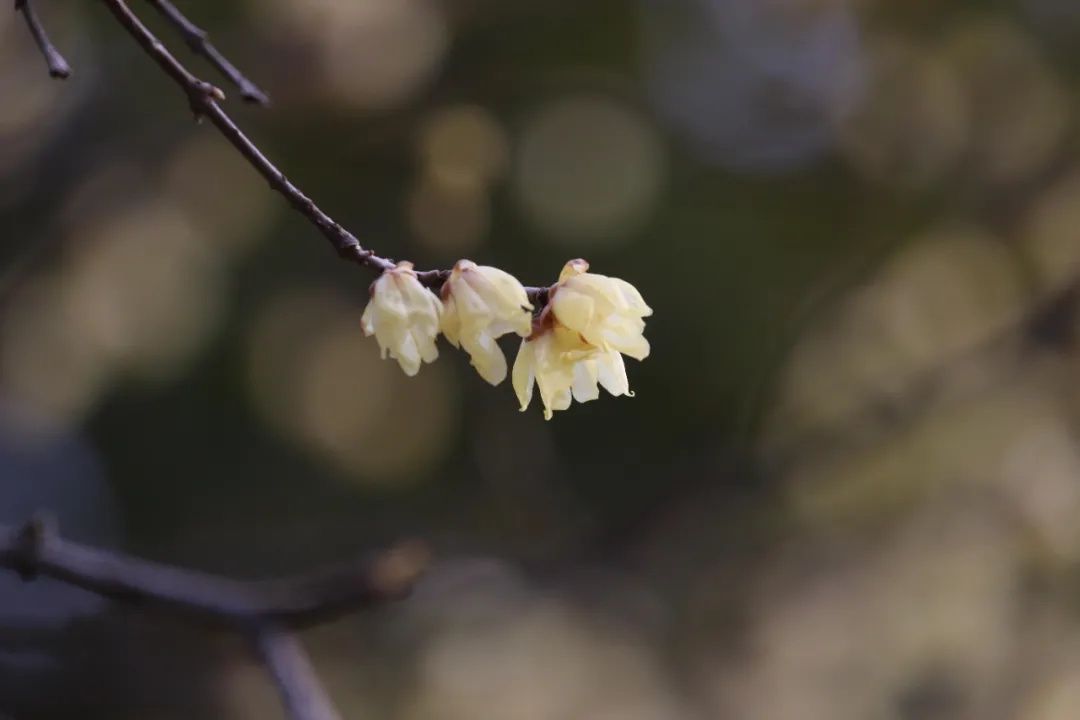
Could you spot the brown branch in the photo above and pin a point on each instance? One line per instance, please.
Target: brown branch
(199, 42)
(203, 99)
(301, 692)
(58, 66)
(37, 550)
(268, 610)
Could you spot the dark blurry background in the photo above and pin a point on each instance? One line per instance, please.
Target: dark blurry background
(848, 487)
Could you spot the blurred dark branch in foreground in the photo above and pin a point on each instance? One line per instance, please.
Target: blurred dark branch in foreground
(267, 611)
(198, 41)
(58, 66)
(292, 671)
(296, 602)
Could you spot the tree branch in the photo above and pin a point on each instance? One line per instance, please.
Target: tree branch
(37, 550)
(198, 40)
(267, 610)
(58, 66)
(301, 692)
(203, 99)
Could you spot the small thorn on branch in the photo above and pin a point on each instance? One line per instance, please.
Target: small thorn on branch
(58, 66)
(198, 40)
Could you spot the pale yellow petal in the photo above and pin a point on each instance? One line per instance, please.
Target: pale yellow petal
(611, 371)
(472, 308)
(572, 268)
(573, 309)
(483, 303)
(501, 289)
(487, 357)
(585, 378)
(367, 320)
(388, 298)
(559, 399)
(404, 317)
(632, 297)
(634, 345)
(407, 355)
(524, 374)
(450, 321)
(425, 343)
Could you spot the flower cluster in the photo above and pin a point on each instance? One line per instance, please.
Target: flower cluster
(571, 348)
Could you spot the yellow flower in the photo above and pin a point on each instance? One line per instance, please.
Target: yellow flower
(589, 321)
(607, 312)
(480, 304)
(403, 316)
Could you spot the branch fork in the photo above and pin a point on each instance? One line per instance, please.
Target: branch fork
(268, 611)
(200, 94)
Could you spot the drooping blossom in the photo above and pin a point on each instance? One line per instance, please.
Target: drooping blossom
(480, 304)
(403, 315)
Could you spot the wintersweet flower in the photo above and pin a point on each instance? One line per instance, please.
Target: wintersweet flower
(607, 312)
(481, 303)
(403, 316)
(577, 345)
(564, 367)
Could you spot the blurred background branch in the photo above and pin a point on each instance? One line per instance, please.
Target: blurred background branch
(58, 66)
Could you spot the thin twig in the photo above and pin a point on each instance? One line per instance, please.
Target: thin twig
(203, 99)
(198, 40)
(58, 66)
(301, 692)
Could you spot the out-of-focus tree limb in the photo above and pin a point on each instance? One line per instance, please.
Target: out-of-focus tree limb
(301, 691)
(267, 610)
(58, 66)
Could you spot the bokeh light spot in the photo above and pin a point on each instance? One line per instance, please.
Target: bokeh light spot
(463, 144)
(230, 221)
(371, 54)
(1050, 233)
(911, 124)
(589, 169)
(945, 292)
(318, 381)
(1019, 108)
(450, 217)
